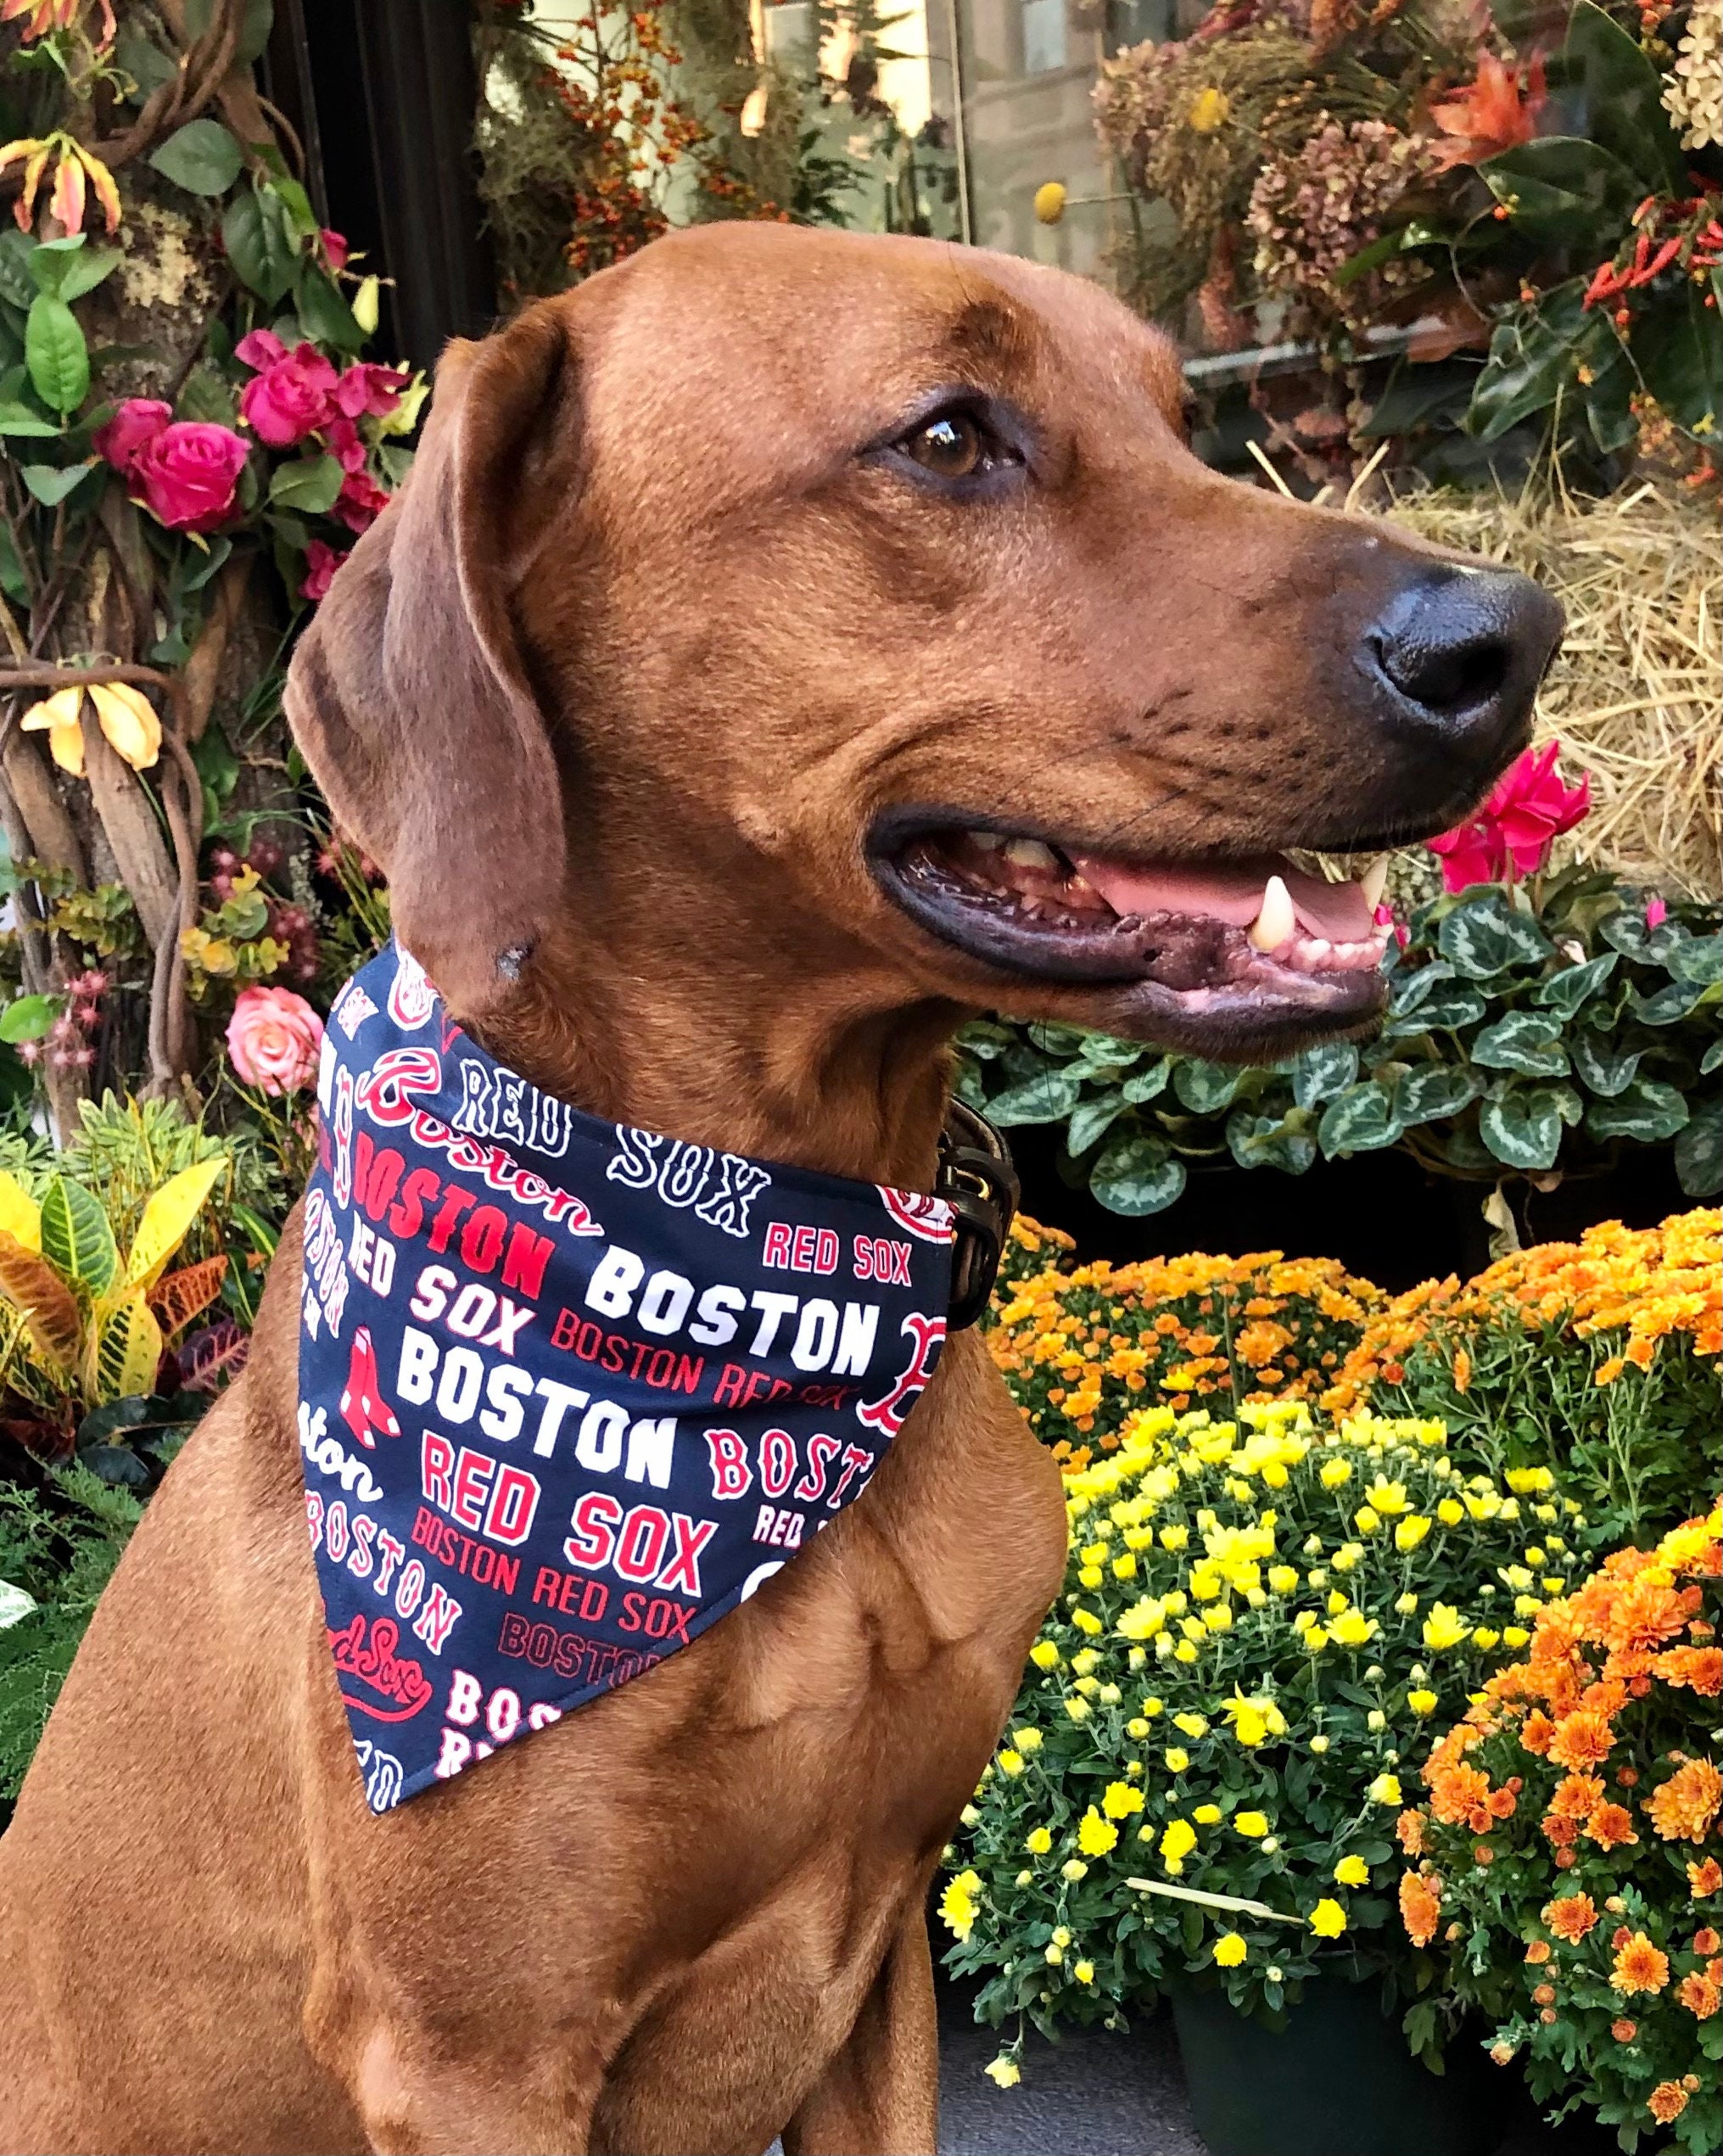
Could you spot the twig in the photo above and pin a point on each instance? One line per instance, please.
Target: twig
(1216, 1900)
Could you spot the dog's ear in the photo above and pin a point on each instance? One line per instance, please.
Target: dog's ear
(408, 693)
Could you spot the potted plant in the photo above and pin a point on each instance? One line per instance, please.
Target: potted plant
(1566, 1859)
(1262, 1620)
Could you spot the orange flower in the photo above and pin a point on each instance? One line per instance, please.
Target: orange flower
(1705, 1879)
(1408, 1829)
(1489, 115)
(1610, 1826)
(1577, 1796)
(1624, 2032)
(1571, 1917)
(1538, 1952)
(1536, 1731)
(1455, 1792)
(1700, 1669)
(1420, 1906)
(1667, 2101)
(1700, 1994)
(1545, 1995)
(1705, 1940)
(1683, 1808)
(1639, 1966)
(1582, 1739)
(1561, 1831)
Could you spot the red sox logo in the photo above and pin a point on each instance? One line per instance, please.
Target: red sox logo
(363, 1408)
(887, 1416)
(374, 1663)
(411, 998)
(920, 1212)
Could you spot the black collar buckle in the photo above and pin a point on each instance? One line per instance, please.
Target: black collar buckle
(978, 1182)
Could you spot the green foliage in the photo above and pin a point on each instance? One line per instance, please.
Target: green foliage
(1529, 1030)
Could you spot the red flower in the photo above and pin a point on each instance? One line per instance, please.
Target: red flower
(361, 501)
(336, 248)
(188, 472)
(1489, 115)
(321, 563)
(367, 388)
(138, 420)
(291, 395)
(1511, 834)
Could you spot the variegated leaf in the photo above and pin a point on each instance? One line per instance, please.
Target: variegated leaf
(50, 1310)
(177, 1298)
(167, 1217)
(75, 1237)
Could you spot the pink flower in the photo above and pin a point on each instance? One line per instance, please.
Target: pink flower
(1512, 833)
(341, 439)
(321, 563)
(188, 473)
(336, 248)
(138, 420)
(290, 398)
(274, 1039)
(259, 349)
(1656, 912)
(364, 387)
(361, 501)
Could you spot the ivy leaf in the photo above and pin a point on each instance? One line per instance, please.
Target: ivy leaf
(1361, 1121)
(1525, 1041)
(1486, 936)
(1606, 1068)
(1612, 93)
(56, 355)
(202, 157)
(1435, 1092)
(1206, 1088)
(1047, 1097)
(256, 20)
(1088, 1119)
(1321, 1072)
(1411, 988)
(1711, 1058)
(1270, 1141)
(1137, 1176)
(1647, 1110)
(1523, 1128)
(1563, 993)
(1443, 1011)
(1533, 355)
(1700, 1152)
(309, 483)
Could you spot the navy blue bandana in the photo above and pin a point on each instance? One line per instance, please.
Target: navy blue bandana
(569, 1390)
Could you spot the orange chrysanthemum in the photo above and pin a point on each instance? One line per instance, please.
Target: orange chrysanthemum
(1639, 1966)
(1683, 1808)
(1536, 1731)
(1624, 2032)
(1577, 1796)
(1456, 1792)
(1610, 1826)
(1409, 1831)
(1571, 1917)
(1706, 1941)
(1705, 1879)
(1420, 1906)
(1700, 1994)
(1699, 1669)
(1582, 1739)
(1667, 2101)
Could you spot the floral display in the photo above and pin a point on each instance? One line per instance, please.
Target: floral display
(1263, 1620)
(273, 1040)
(1564, 1861)
(1603, 1352)
(1083, 1350)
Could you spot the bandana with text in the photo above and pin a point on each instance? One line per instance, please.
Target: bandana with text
(569, 1390)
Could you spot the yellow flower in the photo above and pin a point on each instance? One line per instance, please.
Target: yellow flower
(1422, 1703)
(1450, 1512)
(58, 715)
(1177, 1843)
(1074, 1870)
(1121, 1800)
(1386, 1790)
(1208, 111)
(1207, 1815)
(1095, 1836)
(958, 1904)
(1084, 1972)
(1283, 1578)
(1137, 1726)
(1044, 1654)
(1084, 1661)
(1352, 1870)
(125, 715)
(1090, 1577)
(1354, 1628)
(1347, 1556)
(1037, 1842)
(1086, 1621)
(1334, 1472)
(1177, 1759)
(1027, 1741)
(1409, 1532)
(1152, 1707)
(1368, 1519)
(1444, 1628)
(1078, 1709)
(1054, 1955)
(1010, 1762)
(1174, 1538)
(1061, 1936)
(1004, 2070)
(1388, 1498)
(1125, 1567)
(1315, 1639)
(1485, 1638)
(1253, 1825)
(1049, 208)
(1327, 1920)
(1193, 1725)
(1229, 1950)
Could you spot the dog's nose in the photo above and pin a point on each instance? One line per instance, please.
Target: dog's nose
(1461, 652)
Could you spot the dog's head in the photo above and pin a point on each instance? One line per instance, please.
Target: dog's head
(854, 607)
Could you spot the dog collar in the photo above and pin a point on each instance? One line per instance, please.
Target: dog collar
(569, 1391)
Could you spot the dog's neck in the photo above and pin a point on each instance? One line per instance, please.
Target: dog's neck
(834, 1071)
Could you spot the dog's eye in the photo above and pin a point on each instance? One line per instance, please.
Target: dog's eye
(957, 445)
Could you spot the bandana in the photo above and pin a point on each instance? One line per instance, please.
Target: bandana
(569, 1390)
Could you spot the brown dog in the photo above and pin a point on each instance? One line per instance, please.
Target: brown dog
(766, 627)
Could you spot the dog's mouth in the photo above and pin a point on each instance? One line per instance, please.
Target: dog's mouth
(1216, 954)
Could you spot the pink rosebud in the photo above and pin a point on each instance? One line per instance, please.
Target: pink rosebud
(261, 349)
(341, 440)
(321, 563)
(336, 248)
(361, 501)
(366, 388)
(138, 421)
(1656, 912)
(188, 473)
(290, 399)
(274, 1039)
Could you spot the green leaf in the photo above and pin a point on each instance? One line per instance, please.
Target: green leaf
(1711, 1058)
(1270, 1141)
(1603, 1065)
(202, 157)
(1443, 1011)
(56, 353)
(1206, 1088)
(28, 1017)
(310, 483)
(1668, 1006)
(1410, 988)
(1612, 92)
(145, 62)
(1147, 1084)
(17, 286)
(1323, 1071)
(1562, 191)
(1088, 1119)
(1647, 1110)
(1700, 1152)
(1678, 350)
(1524, 1040)
(1563, 993)
(1523, 1128)
(51, 483)
(1137, 1176)
(1047, 1097)
(66, 269)
(260, 246)
(1699, 959)
(19, 419)
(325, 315)
(255, 23)
(1434, 1092)
(1484, 937)
(76, 1240)
(1361, 1121)
(1534, 352)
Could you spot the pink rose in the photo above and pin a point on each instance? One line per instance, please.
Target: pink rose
(361, 501)
(290, 398)
(321, 563)
(259, 349)
(336, 248)
(138, 420)
(188, 472)
(364, 387)
(274, 1039)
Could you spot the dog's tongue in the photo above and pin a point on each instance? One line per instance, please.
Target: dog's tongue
(1230, 891)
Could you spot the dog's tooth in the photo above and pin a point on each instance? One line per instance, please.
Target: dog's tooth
(1374, 881)
(1030, 853)
(1275, 920)
(988, 841)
